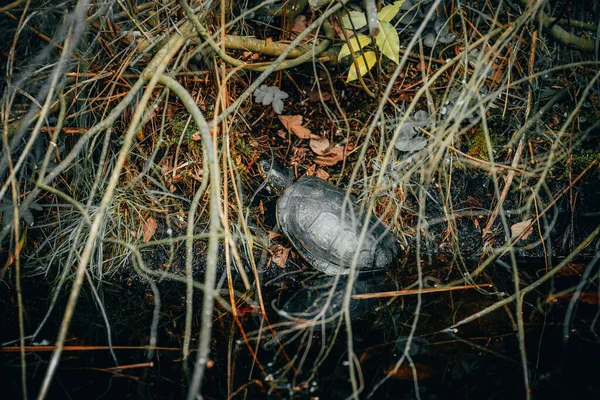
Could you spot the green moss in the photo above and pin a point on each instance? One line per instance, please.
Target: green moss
(477, 144)
(583, 159)
(179, 126)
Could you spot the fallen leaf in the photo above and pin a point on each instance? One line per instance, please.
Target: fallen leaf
(300, 154)
(261, 207)
(280, 255)
(320, 146)
(281, 134)
(299, 24)
(293, 123)
(311, 170)
(322, 174)
(272, 235)
(316, 95)
(573, 269)
(249, 309)
(517, 230)
(149, 228)
(248, 55)
(584, 297)
(334, 156)
(405, 372)
(165, 165)
(339, 30)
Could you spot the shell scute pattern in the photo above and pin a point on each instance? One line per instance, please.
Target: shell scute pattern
(311, 213)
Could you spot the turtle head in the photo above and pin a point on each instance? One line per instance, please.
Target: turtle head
(276, 178)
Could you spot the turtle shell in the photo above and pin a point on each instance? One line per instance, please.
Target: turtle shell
(311, 213)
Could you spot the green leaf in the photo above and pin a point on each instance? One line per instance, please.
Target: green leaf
(389, 42)
(27, 217)
(388, 12)
(7, 218)
(358, 42)
(35, 206)
(358, 20)
(363, 68)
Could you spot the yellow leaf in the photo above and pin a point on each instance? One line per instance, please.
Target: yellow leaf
(389, 42)
(388, 12)
(363, 68)
(358, 20)
(357, 42)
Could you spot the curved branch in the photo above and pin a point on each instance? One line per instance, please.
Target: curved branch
(274, 49)
(562, 35)
(565, 37)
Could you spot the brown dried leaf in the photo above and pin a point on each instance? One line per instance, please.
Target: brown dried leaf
(273, 235)
(517, 229)
(334, 156)
(300, 154)
(573, 269)
(165, 165)
(248, 55)
(280, 255)
(311, 170)
(338, 29)
(584, 297)
(293, 123)
(322, 174)
(261, 207)
(405, 372)
(149, 228)
(315, 96)
(320, 146)
(281, 134)
(300, 24)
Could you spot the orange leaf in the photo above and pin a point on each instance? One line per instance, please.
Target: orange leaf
(584, 297)
(149, 229)
(405, 372)
(293, 123)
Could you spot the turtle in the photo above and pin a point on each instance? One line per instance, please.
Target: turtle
(324, 228)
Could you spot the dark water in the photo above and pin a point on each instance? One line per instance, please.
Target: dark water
(480, 359)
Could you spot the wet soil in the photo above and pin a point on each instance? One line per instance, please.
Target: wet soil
(480, 359)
